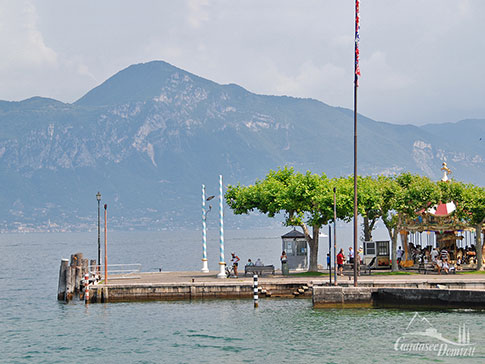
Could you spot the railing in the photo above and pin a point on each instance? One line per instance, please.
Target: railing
(117, 271)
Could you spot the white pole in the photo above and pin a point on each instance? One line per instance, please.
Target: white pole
(205, 268)
(222, 265)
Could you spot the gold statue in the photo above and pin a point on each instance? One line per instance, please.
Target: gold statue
(445, 170)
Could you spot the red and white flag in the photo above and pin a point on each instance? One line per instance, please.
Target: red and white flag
(357, 40)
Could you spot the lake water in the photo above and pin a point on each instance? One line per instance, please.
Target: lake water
(35, 328)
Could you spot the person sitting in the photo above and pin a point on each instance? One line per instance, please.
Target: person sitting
(445, 266)
(434, 255)
(444, 254)
(249, 263)
(259, 263)
(439, 264)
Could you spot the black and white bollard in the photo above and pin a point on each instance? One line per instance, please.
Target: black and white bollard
(255, 290)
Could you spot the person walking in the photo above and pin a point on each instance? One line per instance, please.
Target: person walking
(340, 262)
(235, 259)
(399, 254)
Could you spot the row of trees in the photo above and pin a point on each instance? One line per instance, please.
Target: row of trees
(306, 200)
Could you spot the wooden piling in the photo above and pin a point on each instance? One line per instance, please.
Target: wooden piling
(85, 266)
(61, 288)
(71, 274)
(69, 286)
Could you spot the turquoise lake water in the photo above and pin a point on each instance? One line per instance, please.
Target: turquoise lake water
(35, 328)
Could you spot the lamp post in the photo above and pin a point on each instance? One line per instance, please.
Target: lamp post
(98, 198)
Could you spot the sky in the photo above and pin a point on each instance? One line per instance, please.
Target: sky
(421, 61)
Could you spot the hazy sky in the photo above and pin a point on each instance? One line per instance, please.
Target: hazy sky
(421, 61)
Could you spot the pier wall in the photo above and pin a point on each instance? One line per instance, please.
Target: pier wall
(189, 291)
(429, 298)
(339, 297)
(346, 297)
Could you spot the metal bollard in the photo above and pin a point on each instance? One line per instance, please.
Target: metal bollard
(255, 290)
(86, 288)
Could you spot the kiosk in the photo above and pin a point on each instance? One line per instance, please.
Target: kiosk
(295, 246)
(376, 254)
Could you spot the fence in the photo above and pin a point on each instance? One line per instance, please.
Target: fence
(117, 271)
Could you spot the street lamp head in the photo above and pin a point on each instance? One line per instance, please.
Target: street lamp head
(210, 198)
(98, 196)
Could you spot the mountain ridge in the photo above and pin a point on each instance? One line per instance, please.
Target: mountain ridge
(151, 134)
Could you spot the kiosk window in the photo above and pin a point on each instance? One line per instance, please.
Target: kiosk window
(370, 248)
(382, 248)
(289, 248)
(301, 248)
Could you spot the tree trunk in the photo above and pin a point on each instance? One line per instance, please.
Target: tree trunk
(393, 234)
(368, 228)
(367, 231)
(479, 246)
(404, 242)
(312, 241)
(314, 250)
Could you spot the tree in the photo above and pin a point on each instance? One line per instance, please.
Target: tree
(472, 207)
(369, 201)
(404, 195)
(306, 200)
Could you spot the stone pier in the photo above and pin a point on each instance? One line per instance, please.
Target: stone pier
(340, 297)
(429, 298)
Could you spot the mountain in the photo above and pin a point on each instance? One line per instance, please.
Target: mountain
(150, 135)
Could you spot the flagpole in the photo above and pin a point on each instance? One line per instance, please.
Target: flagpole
(356, 84)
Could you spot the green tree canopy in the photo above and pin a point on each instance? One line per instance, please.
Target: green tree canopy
(306, 200)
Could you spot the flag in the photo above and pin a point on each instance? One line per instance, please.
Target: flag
(357, 40)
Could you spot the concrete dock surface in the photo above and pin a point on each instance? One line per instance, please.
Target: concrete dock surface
(188, 277)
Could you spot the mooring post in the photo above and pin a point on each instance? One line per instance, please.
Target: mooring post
(61, 288)
(255, 290)
(85, 266)
(69, 285)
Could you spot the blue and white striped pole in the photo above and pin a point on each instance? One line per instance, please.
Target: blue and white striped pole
(205, 268)
(222, 265)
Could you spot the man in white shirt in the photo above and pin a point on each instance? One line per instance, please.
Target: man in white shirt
(434, 254)
(351, 255)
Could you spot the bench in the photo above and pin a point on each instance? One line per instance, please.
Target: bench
(424, 268)
(254, 269)
(364, 269)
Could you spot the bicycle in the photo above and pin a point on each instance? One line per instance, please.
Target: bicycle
(229, 271)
